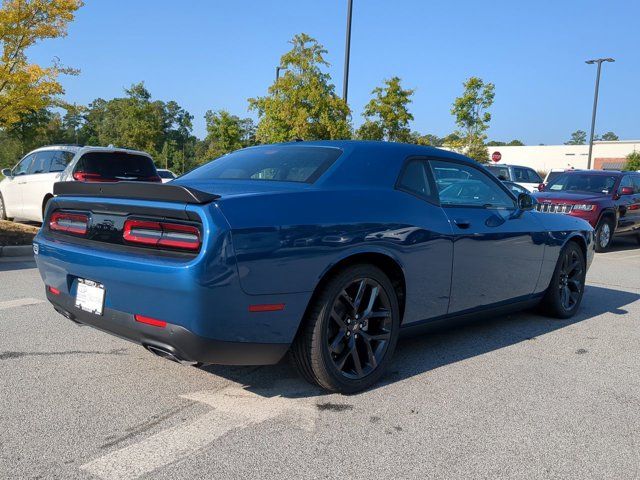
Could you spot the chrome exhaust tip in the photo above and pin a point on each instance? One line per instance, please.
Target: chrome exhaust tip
(167, 354)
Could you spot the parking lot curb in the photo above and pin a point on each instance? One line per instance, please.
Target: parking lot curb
(16, 251)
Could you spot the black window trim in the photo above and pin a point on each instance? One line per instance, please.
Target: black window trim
(432, 199)
(30, 154)
(492, 177)
(35, 156)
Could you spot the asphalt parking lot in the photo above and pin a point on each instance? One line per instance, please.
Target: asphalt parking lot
(513, 397)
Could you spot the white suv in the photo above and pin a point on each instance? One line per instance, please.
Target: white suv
(28, 186)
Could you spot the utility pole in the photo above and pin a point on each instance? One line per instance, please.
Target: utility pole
(595, 103)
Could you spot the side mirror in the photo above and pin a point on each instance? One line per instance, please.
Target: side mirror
(626, 191)
(525, 201)
(7, 172)
(541, 187)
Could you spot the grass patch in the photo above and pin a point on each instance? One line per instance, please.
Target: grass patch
(16, 233)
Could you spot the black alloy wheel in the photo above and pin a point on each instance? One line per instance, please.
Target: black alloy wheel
(566, 289)
(350, 330)
(571, 278)
(360, 330)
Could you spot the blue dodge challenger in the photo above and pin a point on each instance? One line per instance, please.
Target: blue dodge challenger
(325, 250)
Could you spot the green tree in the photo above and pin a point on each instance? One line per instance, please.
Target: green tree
(302, 103)
(609, 137)
(226, 133)
(633, 161)
(512, 143)
(429, 139)
(387, 115)
(579, 137)
(470, 112)
(135, 121)
(27, 87)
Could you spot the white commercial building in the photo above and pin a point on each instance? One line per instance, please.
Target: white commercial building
(606, 155)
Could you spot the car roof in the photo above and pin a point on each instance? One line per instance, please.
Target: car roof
(88, 148)
(507, 165)
(598, 172)
(375, 146)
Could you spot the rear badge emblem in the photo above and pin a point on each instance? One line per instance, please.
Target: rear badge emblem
(36, 249)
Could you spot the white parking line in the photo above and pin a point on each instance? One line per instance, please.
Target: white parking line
(234, 408)
(20, 302)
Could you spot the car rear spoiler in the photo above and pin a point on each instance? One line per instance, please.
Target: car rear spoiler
(135, 190)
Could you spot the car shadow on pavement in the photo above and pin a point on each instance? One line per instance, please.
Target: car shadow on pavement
(621, 244)
(443, 346)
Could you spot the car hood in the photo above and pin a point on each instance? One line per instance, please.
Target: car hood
(568, 197)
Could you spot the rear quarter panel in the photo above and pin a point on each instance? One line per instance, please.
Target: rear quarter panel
(286, 242)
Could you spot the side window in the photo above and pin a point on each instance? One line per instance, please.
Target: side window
(463, 185)
(40, 163)
(520, 175)
(60, 160)
(533, 176)
(23, 167)
(627, 181)
(414, 179)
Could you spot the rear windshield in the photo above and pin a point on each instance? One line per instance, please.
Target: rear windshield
(501, 172)
(583, 182)
(117, 165)
(277, 163)
(166, 174)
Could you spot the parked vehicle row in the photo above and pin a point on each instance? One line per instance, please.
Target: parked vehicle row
(608, 200)
(524, 176)
(28, 187)
(327, 250)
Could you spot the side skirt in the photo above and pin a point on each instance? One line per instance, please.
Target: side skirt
(463, 318)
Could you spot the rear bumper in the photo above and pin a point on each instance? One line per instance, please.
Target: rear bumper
(183, 344)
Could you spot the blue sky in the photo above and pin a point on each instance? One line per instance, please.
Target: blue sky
(215, 54)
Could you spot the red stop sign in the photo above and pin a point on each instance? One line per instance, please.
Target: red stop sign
(496, 156)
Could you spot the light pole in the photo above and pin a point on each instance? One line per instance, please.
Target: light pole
(347, 49)
(595, 103)
(278, 68)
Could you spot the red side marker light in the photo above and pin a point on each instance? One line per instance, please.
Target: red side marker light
(268, 307)
(150, 321)
(53, 290)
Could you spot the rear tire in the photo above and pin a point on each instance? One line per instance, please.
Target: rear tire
(350, 331)
(562, 298)
(604, 234)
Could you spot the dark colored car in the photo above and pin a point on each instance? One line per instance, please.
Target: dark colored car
(608, 200)
(326, 250)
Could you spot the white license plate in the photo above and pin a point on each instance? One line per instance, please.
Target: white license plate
(90, 296)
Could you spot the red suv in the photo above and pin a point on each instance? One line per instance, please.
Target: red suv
(608, 200)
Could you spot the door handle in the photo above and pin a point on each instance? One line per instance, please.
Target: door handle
(462, 223)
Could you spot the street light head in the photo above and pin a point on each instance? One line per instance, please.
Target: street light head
(599, 60)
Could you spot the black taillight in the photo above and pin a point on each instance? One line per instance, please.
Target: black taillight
(162, 234)
(66, 222)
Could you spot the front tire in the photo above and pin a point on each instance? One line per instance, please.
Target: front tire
(350, 331)
(562, 298)
(604, 234)
(3, 210)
